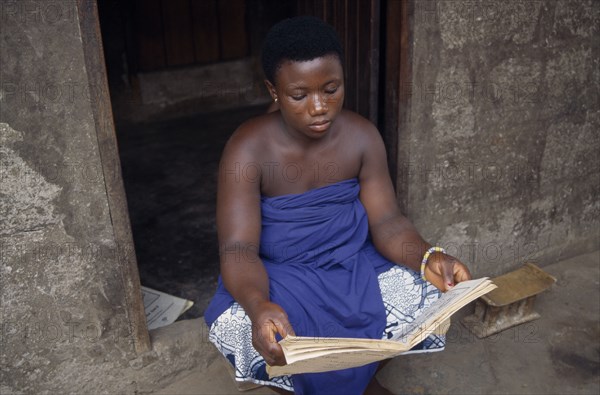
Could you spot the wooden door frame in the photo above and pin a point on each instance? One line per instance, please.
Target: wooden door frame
(389, 69)
(358, 25)
(395, 91)
(392, 123)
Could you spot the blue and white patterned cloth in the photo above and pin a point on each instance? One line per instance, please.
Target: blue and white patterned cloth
(404, 294)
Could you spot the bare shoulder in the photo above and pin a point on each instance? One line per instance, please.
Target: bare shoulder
(366, 144)
(251, 139)
(359, 130)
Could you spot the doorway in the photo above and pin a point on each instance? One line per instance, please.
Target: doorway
(162, 57)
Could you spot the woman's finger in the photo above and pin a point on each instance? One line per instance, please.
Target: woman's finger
(447, 271)
(283, 328)
(274, 349)
(461, 273)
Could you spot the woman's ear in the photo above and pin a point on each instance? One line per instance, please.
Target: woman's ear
(271, 90)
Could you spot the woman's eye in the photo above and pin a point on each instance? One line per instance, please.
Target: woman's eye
(298, 97)
(331, 90)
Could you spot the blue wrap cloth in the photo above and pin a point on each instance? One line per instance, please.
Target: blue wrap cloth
(323, 271)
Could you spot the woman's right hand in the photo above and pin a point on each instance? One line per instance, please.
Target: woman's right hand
(268, 319)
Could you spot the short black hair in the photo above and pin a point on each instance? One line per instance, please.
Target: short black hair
(299, 39)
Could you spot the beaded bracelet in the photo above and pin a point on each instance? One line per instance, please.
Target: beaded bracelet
(426, 257)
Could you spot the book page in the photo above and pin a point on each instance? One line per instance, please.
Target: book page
(441, 310)
(314, 354)
(296, 348)
(446, 305)
(162, 309)
(332, 360)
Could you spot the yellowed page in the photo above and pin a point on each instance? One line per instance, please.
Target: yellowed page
(334, 360)
(310, 354)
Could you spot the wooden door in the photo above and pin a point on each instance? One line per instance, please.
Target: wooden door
(375, 36)
(357, 23)
(171, 33)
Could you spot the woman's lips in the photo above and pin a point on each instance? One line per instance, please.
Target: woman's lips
(319, 126)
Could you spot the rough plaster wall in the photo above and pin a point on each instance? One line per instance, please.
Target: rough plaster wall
(63, 318)
(64, 324)
(503, 130)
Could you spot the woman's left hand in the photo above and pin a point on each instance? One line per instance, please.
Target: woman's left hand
(444, 271)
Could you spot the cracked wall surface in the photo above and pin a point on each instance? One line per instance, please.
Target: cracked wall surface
(65, 324)
(64, 314)
(503, 137)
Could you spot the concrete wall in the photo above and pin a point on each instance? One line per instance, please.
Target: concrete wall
(65, 270)
(63, 306)
(500, 151)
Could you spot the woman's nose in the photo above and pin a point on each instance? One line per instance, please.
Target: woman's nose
(317, 105)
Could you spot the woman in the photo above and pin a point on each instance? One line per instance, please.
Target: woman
(312, 242)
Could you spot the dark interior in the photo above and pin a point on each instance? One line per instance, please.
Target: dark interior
(169, 155)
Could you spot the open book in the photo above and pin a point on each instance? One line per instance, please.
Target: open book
(314, 354)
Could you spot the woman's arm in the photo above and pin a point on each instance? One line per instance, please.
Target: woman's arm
(394, 236)
(238, 227)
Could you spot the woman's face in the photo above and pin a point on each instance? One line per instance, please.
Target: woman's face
(310, 94)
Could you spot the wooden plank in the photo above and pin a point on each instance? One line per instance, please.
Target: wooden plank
(232, 21)
(351, 39)
(328, 7)
(149, 35)
(519, 284)
(396, 133)
(340, 23)
(364, 58)
(205, 31)
(178, 32)
(489, 320)
(306, 7)
(357, 24)
(111, 169)
(261, 16)
(300, 7)
(374, 67)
